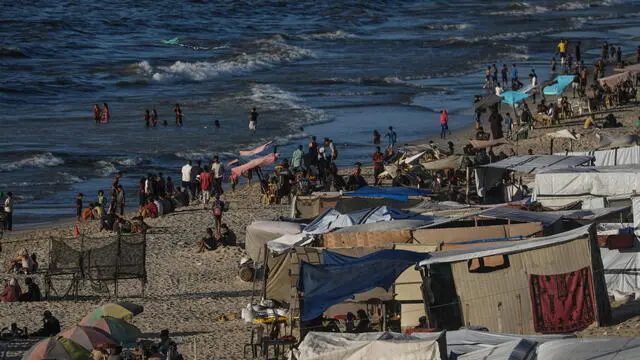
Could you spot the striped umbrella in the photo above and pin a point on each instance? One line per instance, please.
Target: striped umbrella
(123, 332)
(90, 337)
(59, 348)
(121, 310)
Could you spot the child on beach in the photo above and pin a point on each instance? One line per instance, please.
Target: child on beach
(79, 198)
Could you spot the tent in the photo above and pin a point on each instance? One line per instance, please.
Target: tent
(615, 79)
(619, 156)
(370, 346)
(490, 175)
(333, 219)
(395, 193)
(591, 348)
(262, 161)
(512, 286)
(324, 285)
(558, 86)
(559, 186)
(309, 207)
(261, 232)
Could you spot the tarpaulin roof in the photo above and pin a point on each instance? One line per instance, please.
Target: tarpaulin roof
(262, 161)
(560, 83)
(613, 80)
(591, 348)
(483, 144)
(588, 214)
(606, 181)
(396, 193)
(619, 156)
(502, 212)
(450, 162)
(513, 97)
(506, 248)
(257, 150)
(487, 101)
(487, 176)
(634, 69)
(325, 285)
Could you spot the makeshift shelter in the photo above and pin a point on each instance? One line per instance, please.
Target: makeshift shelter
(558, 86)
(615, 79)
(619, 156)
(594, 186)
(309, 207)
(450, 162)
(619, 141)
(490, 175)
(262, 161)
(513, 286)
(591, 348)
(261, 232)
(483, 144)
(370, 346)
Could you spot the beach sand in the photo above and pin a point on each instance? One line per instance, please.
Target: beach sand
(188, 293)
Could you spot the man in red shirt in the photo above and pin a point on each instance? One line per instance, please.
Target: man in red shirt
(378, 165)
(205, 185)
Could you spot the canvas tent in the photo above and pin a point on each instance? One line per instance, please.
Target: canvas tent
(615, 79)
(309, 207)
(591, 348)
(512, 287)
(370, 346)
(488, 176)
(261, 232)
(556, 187)
(612, 157)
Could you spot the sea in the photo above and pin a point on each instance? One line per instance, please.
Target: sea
(336, 69)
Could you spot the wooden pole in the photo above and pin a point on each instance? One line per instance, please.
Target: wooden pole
(551, 147)
(467, 185)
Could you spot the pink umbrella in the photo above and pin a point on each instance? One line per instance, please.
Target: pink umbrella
(89, 337)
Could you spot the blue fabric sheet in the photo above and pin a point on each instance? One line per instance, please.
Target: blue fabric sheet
(556, 89)
(325, 285)
(513, 97)
(395, 193)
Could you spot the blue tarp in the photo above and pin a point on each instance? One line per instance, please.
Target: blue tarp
(562, 82)
(395, 193)
(513, 97)
(324, 285)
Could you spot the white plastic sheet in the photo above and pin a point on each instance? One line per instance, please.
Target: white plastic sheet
(621, 156)
(618, 181)
(606, 348)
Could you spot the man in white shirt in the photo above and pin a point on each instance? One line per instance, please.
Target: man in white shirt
(499, 90)
(218, 172)
(8, 208)
(186, 178)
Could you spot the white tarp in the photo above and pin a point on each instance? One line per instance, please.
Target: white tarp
(604, 348)
(287, 241)
(562, 134)
(261, 232)
(488, 176)
(621, 156)
(366, 346)
(510, 247)
(621, 268)
(512, 350)
(619, 182)
(635, 206)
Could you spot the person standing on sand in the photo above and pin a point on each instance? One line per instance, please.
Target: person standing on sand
(253, 120)
(78, 206)
(392, 137)
(186, 178)
(444, 123)
(378, 165)
(495, 122)
(296, 159)
(8, 209)
(313, 152)
(505, 75)
(97, 114)
(508, 123)
(577, 52)
(514, 77)
(218, 173)
(205, 186)
(120, 200)
(142, 196)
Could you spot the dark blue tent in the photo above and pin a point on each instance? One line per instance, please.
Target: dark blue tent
(395, 193)
(324, 285)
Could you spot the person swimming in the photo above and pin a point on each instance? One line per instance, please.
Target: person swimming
(179, 114)
(154, 118)
(217, 124)
(106, 116)
(97, 114)
(147, 118)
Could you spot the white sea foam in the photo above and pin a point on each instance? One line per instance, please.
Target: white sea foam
(105, 168)
(130, 162)
(271, 97)
(269, 54)
(38, 161)
(573, 5)
(521, 9)
(330, 35)
(446, 26)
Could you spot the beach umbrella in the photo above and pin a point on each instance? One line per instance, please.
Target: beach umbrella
(121, 310)
(120, 330)
(59, 348)
(89, 337)
(487, 101)
(513, 97)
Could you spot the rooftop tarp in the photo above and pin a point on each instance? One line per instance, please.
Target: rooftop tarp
(620, 156)
(257, 150)
(483, 144)
(326, 285)
(333, 219)
(506, 248)
(618, 181)
(487, 176)
(560, 83)
(261, 232)
(369, 346)
(262, 161)
(513, 97)
(504, 212)
(615, 79)
(591, 348)
(395, 193)
(588, 214)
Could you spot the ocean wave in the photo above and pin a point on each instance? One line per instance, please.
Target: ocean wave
(12, 52)
(105, 168)
(130, 162)
(521, 9)
(329, 35)
(38, 161)
(445, 26)
(575, 5)
(270, 53)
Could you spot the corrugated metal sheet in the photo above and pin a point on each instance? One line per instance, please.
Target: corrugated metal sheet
(532, 163)
(500, 299)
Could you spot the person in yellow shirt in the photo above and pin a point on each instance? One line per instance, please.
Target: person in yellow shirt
(562, 48)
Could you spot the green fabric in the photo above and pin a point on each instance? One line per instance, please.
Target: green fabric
(75, 351)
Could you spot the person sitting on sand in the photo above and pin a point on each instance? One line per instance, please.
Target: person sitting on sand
(363, 322)
(228, 237)
(208, 242)
(50, 326)
(166, 344)
(356, 180)
(334, 182)
(12, 332)
(22, 263)
(33, 291)
(11, 291)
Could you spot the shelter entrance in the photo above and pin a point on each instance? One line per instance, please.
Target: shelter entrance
(441, 300)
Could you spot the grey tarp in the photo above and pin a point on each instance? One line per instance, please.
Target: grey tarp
(501, 212)
(488, 176)
(600, 348)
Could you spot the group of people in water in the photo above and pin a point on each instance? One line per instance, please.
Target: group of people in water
(151, 118)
